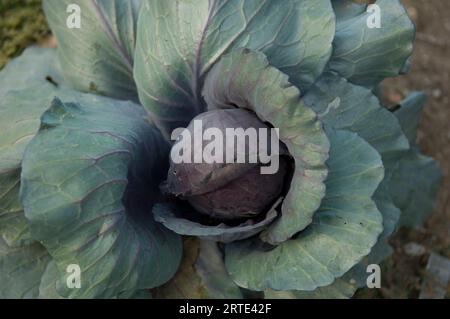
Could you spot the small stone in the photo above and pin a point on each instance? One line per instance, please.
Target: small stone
(436, 279)
(414, 249)
(436, 93)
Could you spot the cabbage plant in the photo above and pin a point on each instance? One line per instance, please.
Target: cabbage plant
(92, 205)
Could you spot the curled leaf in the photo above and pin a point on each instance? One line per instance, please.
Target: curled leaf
(365, 54)
(245, 79)
(169, 216)
(89, 182)
(344, 229)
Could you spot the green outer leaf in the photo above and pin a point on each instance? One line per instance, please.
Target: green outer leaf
(409, 115)
(47, 287)
(344, 230)
(347, 9)
(391, 216)
(51, 276)
(415, 186)
(341, 105)
(27, 85)
(98, 57)
(416, 180)
(346, 286)
(21, 270)
(340, 289)
(75, 175)
(245, 78)
(34, 67)
(367, 56)
(19, 122)
(211, 268)
(165, 214)
(14, 228)
(382, 130)
(202, 275)
(180, 40)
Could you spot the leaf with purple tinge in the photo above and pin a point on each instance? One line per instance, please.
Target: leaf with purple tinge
(179, 41)
(99, 56)
(89, 182)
